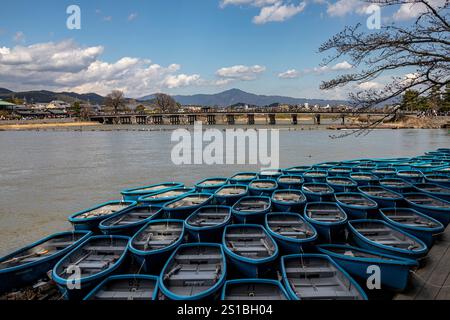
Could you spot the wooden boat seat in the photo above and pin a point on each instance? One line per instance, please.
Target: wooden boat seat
(60, 244)
(309, 271)
(367, 231)
(285, 223)
(199, 257)
(244, 236)
(93, 264)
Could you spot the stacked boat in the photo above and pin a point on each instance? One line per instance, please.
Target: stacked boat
(307, 232)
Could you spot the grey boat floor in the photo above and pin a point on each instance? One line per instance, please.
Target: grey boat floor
(158, 235)
(289, 226)
(126, 289)
(318, 279)
(194, 270)
(254, 291)
(250, 242)
(432, 281)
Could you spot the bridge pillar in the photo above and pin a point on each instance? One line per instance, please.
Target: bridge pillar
(157, 119)
(141, 119)
(250, 118)
(272, 119)
(192, 118)
(317, 119)
(343, 119)
(211, 119)
(230, 119)
(294, 119)
(174, 119)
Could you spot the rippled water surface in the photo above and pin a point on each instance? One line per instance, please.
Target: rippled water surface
(46, 176)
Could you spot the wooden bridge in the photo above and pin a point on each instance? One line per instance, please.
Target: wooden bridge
(229, 118)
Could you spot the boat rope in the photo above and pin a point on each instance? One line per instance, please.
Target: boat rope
(427, 283)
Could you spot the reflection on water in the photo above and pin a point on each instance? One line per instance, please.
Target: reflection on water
(45, 176)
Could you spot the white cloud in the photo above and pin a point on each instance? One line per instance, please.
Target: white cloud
(341, 8)
(413, 10)
(19, 36)
(370, 85)
(66, 66)
(107, 18)
(341, 66)
(278, 12)
(240, 72)
(132, 16)
(289, 74)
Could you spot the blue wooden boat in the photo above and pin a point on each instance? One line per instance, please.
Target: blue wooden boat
(288, 200)
(434, 190)
(318, 176)
(127, 222)
(262, 187)
(229, 194)
(95, 259)
(162, 197)
(364, 178)
(318, 277)
(394, 270)
(194, 271)
(364, 167)
(297, 170)
(428, 167)
(243, 178)
(356, 205)
(328, 219)
(153, 244)
(413, 222)
(134, 194)
(253, 289)
(385, 198)
(397, 185)
(384, 172)
(210, 185)
(207, 223)
(89, 219)
(439, 179)
(325, 165)
(444, 171)
(318, 192)
(31, 263)
(288, 181)
(184, 206)
(342, 184)
(382, 237)
(413, 176)
(271, 174)
(431, 206)
(340, 171)
(250, 250)
(251, 209)
(292, 233)
(126, 287)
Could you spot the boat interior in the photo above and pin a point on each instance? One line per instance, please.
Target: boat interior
(249, 242)
(253, 291)
(158, 235)
(168, 194)
(209, 216)
(341, 181)
(193, 270)
(212, 182)
(107, 209)
(378, 192)
(289, 196)
(290, 179)
(252, 205)
(93, 257)
(314, 278)
(431, 187)
(132, 288)
(350, 252)
(44, 250)
(289, 226)
(263, 184)
(244, 176)
(231, 190)
(424, 200)
(382, 234)
(356, 200)
(132, 216)
(189, 201)
(322, 212)
(409, 218)
(317, 188)
(156, 188)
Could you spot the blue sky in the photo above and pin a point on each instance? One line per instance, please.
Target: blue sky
(175, 46)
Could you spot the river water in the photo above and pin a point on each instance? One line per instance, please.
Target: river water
(45, 176)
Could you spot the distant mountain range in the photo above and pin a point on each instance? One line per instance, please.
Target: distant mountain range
(45, 96)
(225, 98)
(234, 96)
